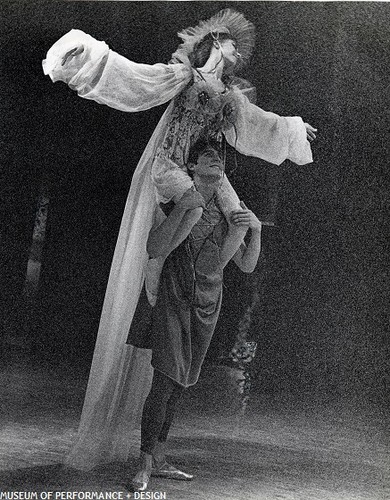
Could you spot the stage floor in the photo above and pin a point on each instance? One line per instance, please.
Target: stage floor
(283, 447)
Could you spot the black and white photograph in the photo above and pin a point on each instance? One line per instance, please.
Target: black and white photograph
(194, 250)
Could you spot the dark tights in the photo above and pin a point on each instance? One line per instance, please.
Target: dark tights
(159, 410)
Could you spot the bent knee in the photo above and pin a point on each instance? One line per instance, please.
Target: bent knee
(195, 214)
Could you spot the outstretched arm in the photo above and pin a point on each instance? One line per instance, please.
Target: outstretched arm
(177, 226)
(89, 67)
(268, 136)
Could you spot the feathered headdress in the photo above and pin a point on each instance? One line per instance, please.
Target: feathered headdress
(226, 21)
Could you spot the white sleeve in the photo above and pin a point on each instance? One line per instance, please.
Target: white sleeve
(268, 136)
(106, 77)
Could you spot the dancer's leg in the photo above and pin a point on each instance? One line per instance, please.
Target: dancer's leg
(156, 410)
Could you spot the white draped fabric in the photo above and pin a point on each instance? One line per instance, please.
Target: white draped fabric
(120, 374)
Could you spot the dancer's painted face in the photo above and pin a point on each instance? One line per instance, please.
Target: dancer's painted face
(230, 52)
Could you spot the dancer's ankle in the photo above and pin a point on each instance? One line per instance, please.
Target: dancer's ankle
(159, 457)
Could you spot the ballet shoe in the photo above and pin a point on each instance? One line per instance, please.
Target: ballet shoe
(168, 471)
(141, 479)
(161, 468)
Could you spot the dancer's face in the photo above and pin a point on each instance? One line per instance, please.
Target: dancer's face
(229, 51)
(209, 165)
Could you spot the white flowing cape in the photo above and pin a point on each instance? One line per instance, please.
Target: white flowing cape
(120, 374)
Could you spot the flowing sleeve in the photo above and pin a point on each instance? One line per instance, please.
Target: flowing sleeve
(268, 136)
(102, 75)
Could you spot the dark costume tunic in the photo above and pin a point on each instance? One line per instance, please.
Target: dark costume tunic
(188, 301)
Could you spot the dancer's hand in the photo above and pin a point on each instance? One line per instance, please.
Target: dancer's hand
(245, 218)
(310, 132)
(72, 53)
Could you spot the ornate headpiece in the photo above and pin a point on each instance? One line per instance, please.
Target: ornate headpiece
(227, 21)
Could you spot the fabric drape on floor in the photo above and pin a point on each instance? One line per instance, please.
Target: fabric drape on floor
(120, 374)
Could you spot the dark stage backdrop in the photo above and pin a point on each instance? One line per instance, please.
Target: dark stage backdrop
(322, 324)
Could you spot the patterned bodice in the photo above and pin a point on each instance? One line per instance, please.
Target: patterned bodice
(200, 109)
(210, 229)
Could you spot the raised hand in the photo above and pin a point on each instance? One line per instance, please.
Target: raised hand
(245, 218)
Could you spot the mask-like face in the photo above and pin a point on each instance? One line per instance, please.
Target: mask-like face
(209, 165)
(229, 52)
